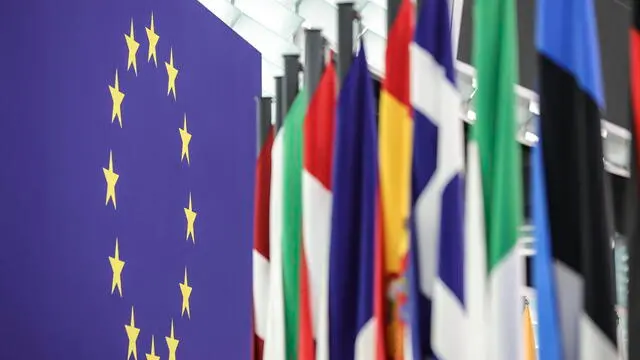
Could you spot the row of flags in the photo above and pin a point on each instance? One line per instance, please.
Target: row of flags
(390, 237)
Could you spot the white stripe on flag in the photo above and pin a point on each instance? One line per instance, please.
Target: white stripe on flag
(317, 202)
(594, 344)
(274, 341)
(475, 267)
(365, 341)
(261, 290)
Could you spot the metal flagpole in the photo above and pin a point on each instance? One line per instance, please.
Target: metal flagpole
(345, 38)
(313, 55)
(264, 121)
(392, 11)
(291, 81)
(279, 105)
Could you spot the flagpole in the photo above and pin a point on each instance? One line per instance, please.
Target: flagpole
(263, 121)
(392, 11)
(313, 56)
(345, 38)
(279, 105)
(291, 81)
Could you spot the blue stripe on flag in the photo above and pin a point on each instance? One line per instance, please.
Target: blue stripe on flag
(549, 337)
(352, 230)
(565, 33)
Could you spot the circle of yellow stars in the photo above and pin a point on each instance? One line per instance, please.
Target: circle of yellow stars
(111, 178)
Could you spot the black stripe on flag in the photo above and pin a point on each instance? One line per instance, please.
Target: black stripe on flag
(580, 233)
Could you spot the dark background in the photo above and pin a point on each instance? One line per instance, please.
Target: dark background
(613, 17)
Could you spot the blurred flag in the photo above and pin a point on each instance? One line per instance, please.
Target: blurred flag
(261, 235)
(128, 195)
(292, 220)
(283, 246)
(528, 332)
(317, 200)
(544, 281)
(495, 58)
(633, 198)
(571, 99)
(351, 324)
(475, 272)
(396, 128)
(438, 163)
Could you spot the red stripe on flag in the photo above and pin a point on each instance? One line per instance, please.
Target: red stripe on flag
(263, 198)
(319, 128)
(306, 347)
(261, 220)
(396, 80)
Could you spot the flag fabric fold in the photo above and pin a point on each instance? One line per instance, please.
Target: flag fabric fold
(495, 58)
(395, 139)
(351, 324)
(571, 99)
(438, 165)
(261, 243)
(317, 200)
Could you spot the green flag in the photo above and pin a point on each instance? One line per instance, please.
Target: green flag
(292, 219)
(495, 58)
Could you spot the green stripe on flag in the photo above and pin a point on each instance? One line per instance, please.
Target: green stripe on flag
(292, 219)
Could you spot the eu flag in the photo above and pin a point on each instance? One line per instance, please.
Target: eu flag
(126, 188)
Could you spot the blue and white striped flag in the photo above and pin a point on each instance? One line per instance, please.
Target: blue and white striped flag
(438, 261)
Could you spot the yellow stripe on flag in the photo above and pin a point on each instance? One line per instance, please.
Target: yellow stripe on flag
(396, 139)
(529, 339)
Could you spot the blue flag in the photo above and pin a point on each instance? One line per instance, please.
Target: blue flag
(355, 174)
(549, 335)
(127, 182)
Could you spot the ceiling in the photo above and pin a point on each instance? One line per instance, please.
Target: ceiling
(276, 27)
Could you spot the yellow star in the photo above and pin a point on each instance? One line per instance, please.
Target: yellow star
(185, 136)
(133, 47)
(191, 218)
(116, 97)
(153, 355)
(132, 334)
(185, 289)
(112, 178)
(153, 41)
(172, 344)
(172, 72)
(116, 266)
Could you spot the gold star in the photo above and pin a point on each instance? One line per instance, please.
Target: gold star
(132, 334)
(172, 72)
(153, 41)
(112, 178)
(133, 46)
(172, 344)
(191, 218)
(116, 266)
(185, 136)
(153, 355)
(185, 289)
(116, 97)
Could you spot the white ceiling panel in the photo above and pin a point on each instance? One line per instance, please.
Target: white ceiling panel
(272, 14)
(270, 45)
